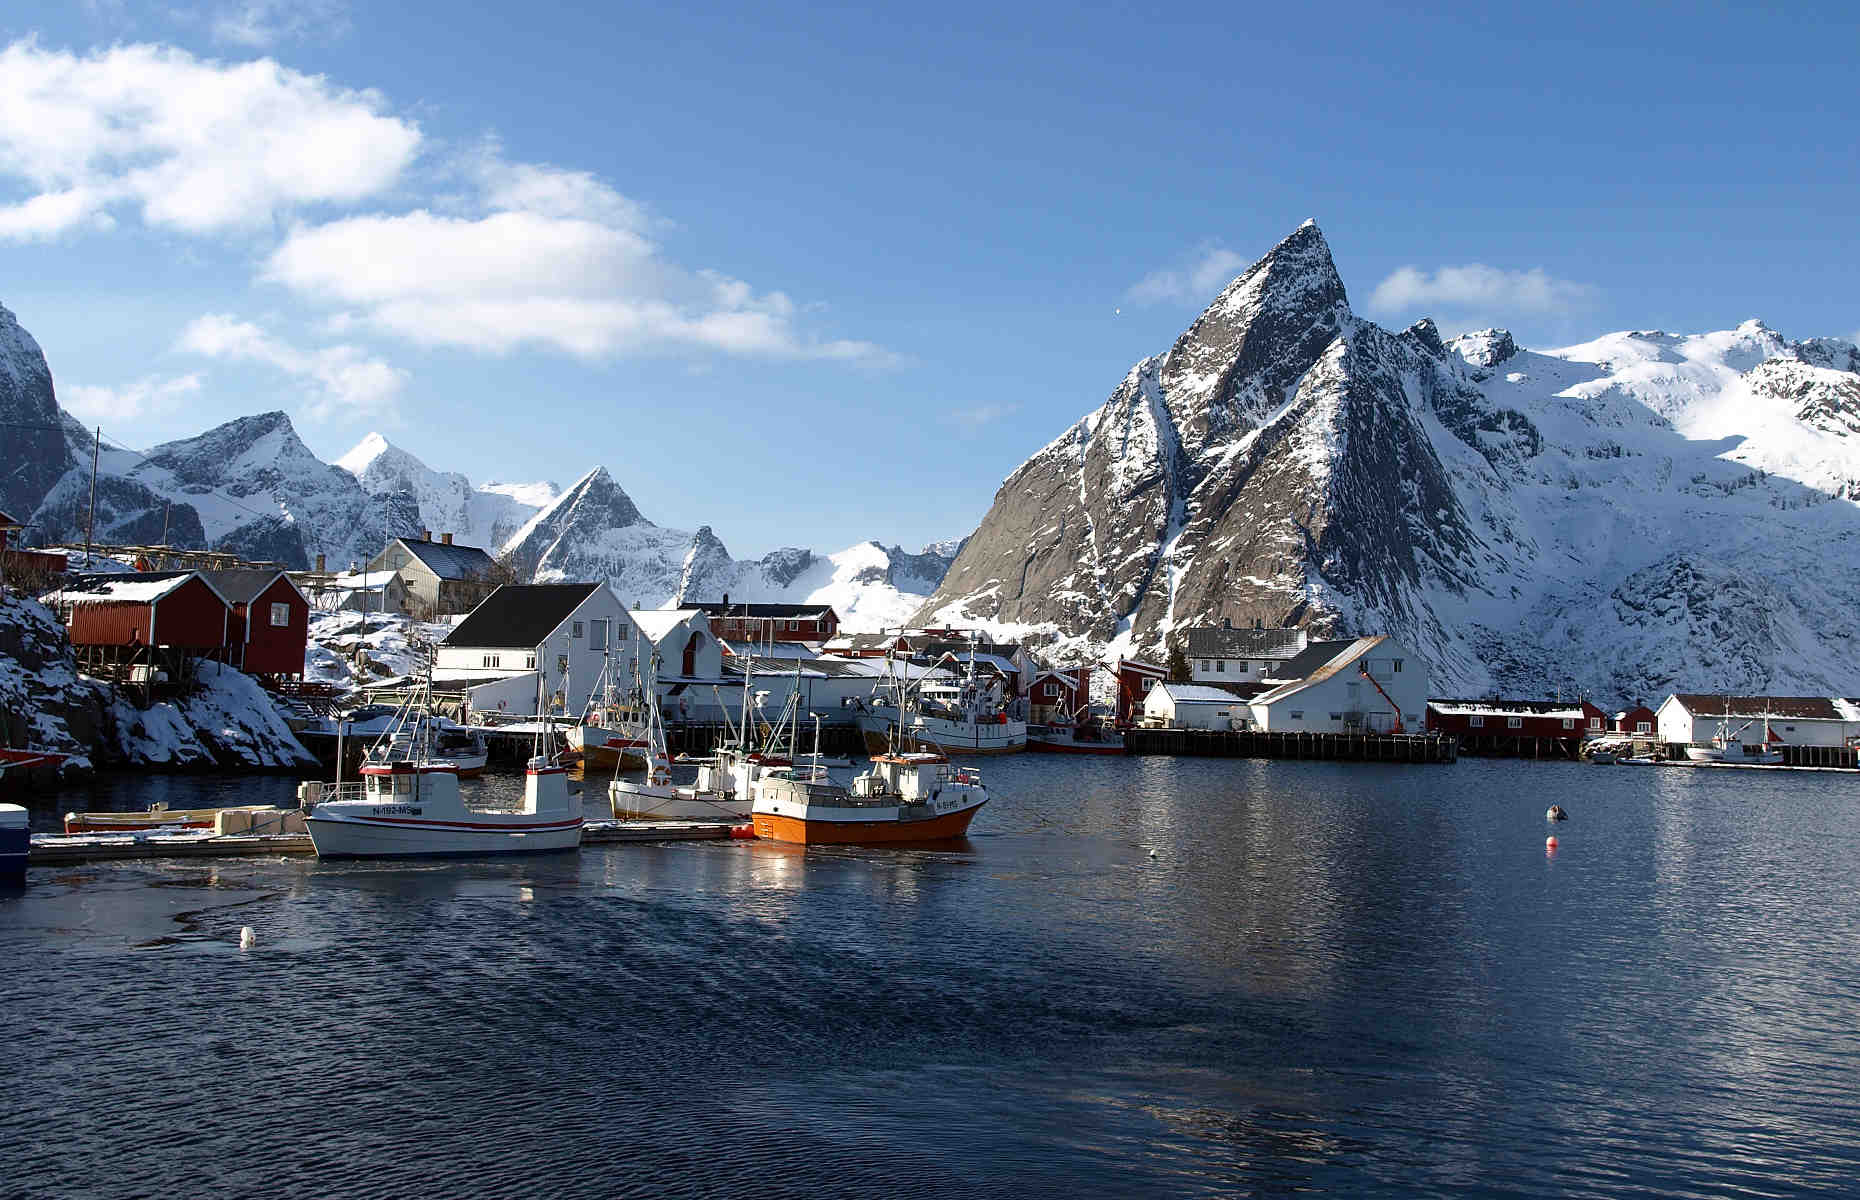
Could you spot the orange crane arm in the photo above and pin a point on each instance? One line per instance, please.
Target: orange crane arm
(1363, 670)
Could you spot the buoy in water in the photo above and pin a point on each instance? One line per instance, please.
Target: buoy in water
(1550, 844)
(247, 939)
(1556, 813)
(1152, 852)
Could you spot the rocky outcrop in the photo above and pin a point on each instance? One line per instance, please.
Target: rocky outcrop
(38, 453)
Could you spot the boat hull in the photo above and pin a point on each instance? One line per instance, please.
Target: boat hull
(341, 836)
(814, 831)
(1061, 746)
(942, 738)
(15, 843)
(639, 801)
(600, 747)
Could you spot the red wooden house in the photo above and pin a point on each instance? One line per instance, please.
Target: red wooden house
(269, 626)
(15, 560)
(1134, 681)
(146, 624)
(1059, 696)
(1639, 720)
(1529, 728)
(752, 623)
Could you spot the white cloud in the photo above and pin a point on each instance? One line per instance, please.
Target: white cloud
(145, 397)
(1476, 286)
(343, 380)
(983, 414)
(188, 143)
(574, 273)
(260, 24)
(1196, 280)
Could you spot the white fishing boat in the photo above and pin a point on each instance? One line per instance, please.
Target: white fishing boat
(1078, 738)
(656, 797)
(1727, 746)
(963, 717)
(612, 729)
(411, 806)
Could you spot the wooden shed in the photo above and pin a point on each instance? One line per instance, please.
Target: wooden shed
(165, 609)
(269, 626)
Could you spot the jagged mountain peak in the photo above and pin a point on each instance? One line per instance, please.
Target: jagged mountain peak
(366, 452)
(31, 417)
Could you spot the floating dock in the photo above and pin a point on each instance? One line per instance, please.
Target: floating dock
(1334, 747)
(61, 849)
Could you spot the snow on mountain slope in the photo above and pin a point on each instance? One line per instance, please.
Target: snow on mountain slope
(1643, 512)
(484, 516)
(594, 531)
(37, 453)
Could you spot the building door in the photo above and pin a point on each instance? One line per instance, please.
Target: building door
(691, 653)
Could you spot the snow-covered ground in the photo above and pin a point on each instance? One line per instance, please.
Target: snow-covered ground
(352, 650)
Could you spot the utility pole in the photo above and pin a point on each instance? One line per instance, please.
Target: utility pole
(90, 525)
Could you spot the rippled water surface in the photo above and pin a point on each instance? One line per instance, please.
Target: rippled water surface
(1137, 977)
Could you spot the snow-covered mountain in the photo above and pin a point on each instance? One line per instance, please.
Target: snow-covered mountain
(595, 531)
(486, 515)
(1640, 513)
(37, 453)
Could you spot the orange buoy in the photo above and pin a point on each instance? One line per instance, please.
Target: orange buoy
(1550, 843)
(743, 831)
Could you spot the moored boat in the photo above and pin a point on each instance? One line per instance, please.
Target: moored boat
(414, 809)
(1075, 739)
(15, 843)
(656, 797)
(906, 797)
(963, 717)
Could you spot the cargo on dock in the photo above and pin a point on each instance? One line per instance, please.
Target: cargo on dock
(1336, 747)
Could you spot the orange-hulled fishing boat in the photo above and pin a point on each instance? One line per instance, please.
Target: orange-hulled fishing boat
(907, 796)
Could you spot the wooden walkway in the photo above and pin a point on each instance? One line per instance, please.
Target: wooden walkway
(59, 849)
(1333, 747)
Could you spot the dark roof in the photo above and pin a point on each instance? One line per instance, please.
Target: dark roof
(519, 615)
(1503, 707)
(783, 611)
(1306, 662)
(1243, 643)
(1807, 708)
(9, 522)
(240, 587)
(98, 581)
(449, 562)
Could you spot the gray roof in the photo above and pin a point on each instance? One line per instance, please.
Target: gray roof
(1306, 662)
(240, 587)
(518, 616)
(449, 562)
(1243, 643)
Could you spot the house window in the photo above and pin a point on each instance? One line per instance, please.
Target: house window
(492, 660)
(529, 662)
(1476, 722)
(1595, 722)
(575, 630)
(1569, 722)
(793, 626)
(597, 635)
(280, 616)
(1298, 714)
(1336, 716)
(1221, 666)
(1643, 727)
(1397, 667)
(1514, 722)
(561, 664)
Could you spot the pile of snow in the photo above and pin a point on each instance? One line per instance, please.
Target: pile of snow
(353, 650)
(228, 720)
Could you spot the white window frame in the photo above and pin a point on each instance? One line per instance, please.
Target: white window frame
(574, 629)
(1569, 722)
(1475, 722)
(280, 616)
(1297, 714)
(1514, 722)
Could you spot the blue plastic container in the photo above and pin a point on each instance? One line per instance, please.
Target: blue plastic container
(15, 837)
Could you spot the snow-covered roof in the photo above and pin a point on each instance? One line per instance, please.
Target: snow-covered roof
(144, 588)
(1318, 662)
(741, 647)
(1508, 708)
(1795, 708)
(656, 623)
(1195, 693)
(363, 581)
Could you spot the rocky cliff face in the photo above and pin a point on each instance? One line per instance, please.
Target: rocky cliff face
(446, 501)
(32, 421)
(1616, 515)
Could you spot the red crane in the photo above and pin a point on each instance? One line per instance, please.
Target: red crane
(1362, 668)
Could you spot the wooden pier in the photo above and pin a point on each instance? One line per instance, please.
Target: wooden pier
(1333, 747)
(58, 849)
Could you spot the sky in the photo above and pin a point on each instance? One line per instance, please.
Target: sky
(817, 274)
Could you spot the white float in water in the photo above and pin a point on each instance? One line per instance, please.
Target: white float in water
(247, 939)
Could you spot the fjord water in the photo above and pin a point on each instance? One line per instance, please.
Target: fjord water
(1136, 977)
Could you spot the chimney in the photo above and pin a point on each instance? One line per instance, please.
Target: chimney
(320, 560)
(726, 600)
(426, 535)
(446, 538)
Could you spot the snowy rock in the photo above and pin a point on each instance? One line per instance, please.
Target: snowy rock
(37, 452)
(446, 500)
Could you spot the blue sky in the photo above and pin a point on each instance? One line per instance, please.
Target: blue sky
(812, 275)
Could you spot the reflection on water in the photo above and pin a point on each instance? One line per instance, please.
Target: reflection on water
(1143, 976)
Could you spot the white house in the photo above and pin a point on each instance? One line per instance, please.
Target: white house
(688, 651)
(1227, 655)
(1190, 706)
(1346, 686)
(571, 632)
(1794, 720)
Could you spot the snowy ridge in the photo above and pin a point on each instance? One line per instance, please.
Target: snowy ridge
(1624, 516)
(484, 516)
